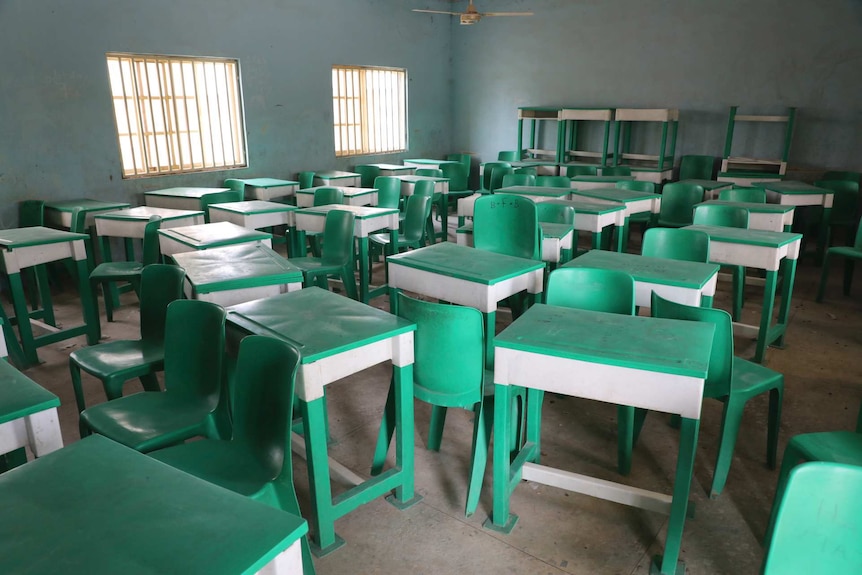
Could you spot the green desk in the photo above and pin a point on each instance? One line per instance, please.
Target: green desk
(394, 169)
(689, 283)
(180, 198)
(466, 276)
(542, 168)
(766, 217)
(256, 215)
(26, 247)
(557, 240)
(594, 218)
(336, 178)
(634, 202)
(101, 508)
(58, 214)
(268, 188)
(711, 188)
(206, 236)
(426, 163)
(237, 274)
(594, 182)
(768, 251)
(791, 193)
(353, 196)
(337, 337)
(537, 193)
(645, 362)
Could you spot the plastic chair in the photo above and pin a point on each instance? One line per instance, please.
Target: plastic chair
(150, 420)
(843, 175)
(488, 169)
(676, 244)
(323, 196)
(511, 156)
(388, 191)
(507, 224)
(677, 204)
(845, 206)
(696, 167)
(429, 172)
(463, 158)
(458, 185)
(850, 255)
(306, 179)
(818, 521)
(518, 180)
(418, 212)
(636, 186)
(530, 170)
(108, 272)
(116, 362)
(237, 186)
(574, 171)
(367, 175)
(256, 461)
(733, 381)
(553, 182)
(750, 195)
(336, 256)
(720, 215)
(616, 171)
(219, 198)
(448, 371)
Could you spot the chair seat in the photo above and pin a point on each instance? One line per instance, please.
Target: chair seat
(229, 464)
(125, 359)
(116, 271)
(314, 265)
(846, 251)
(383, 239)
(149, 420)
(836, 446)
(750, 379)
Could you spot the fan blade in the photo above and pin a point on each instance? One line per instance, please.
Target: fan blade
(507, 13)
(437, 12)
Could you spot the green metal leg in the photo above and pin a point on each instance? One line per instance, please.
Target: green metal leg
(484, 414)
(788, 268)
(109, 289)
(404, 456)
(501, 519)
(823, 235)
(88, 304)
(445, 218)
(597, 241)
(625, 438)
(623, 237)
(45, 295)
(766, 315)
(19, 304)
(364, 269)
(533, 415)
(490, 331)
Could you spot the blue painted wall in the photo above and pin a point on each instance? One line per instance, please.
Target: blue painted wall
(700, 56)
(57, 134)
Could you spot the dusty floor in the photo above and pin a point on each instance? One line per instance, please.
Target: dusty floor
(559, 532)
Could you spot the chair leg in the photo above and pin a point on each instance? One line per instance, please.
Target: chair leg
(384, 436)
(791, 458)
(435, 429)
(730, 421)
(109, 305)
(625, 438)
(738, 287)
(484, 419)
(848, 275)
(774, 423)
(75, 372)
(45, 295)
(150, 382)
(349, 281)
(824, 274)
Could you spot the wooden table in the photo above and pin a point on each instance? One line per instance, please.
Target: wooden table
(205, 236)
(237, 274)
(644, 362)
(353, 196)
(635, 203)
(711, 188)
(595, 182)
(268, 188)
(366, 221)
(768, 251)
(25, 247)
(537, 193)
(58, 214)
(766, 217)
(791, 193)
(99, 507)
(335, 177)
(338, 337)
(394, 169)
(689, 283)
(466, 276)
(594, 218)
(180, 198)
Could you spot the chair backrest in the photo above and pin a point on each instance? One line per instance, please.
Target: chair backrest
(636, 186)
(152, 254)
(79, 223)
(843, 175)
(610, 291)
(337, 246)
(750, 195)
(508, 156)
(463, 158)
(218, 198)
(262, 400)
(457, 175)
(31, 213)
(488, 170)
(507, 224)
(696, 167)
(616, 171)
(845, 200)
(555, 213)
(454, 334)
(857, 243)
(424, 188)
(554, 181)
(497, 175)
(306, 180)
(518, 180)
(718, 377)
(236, 185)
(367, 175)
(676, 244)
(416, 214)
(677, 203)
(721, 215)
(429, 172)
(327, 195)
(573, 171)
(160, 285)
(818, 522)
(194, 349)
(388, 191)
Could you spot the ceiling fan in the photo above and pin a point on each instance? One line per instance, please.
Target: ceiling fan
(471, 15)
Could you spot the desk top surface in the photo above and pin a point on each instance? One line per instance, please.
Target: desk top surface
(466, 263)
(268, 182)
(749, 237)
(236, 267)
(392, 167)
(413, 179)
(651, 344)
(215, 234)
(429, 161)
(99, 507)
(84, 204)
(20, 395)
(652, 270)
(346, 190)
(360, 212)
(334, 174)
(792, 187)
(615, 194)
(585, 207)
(253, 207)
(36, 236)
(535, 191)
(706, 184)
(145, 212)
(186, 192)
(318, 322)
(753, 206)
(601, 179)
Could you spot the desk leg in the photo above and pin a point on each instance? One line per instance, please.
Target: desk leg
(789, 275)
(45, 295)
(25, 330)
(364, 271)
(623, 236)
(501, 520)
(679, 505)
(597, 241)
(490, 329)
(445, 217)
(88, 304)
(766, 315)
(404, 496)
(823, 235)
(111, 290)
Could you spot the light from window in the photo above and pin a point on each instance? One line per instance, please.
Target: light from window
(369, 110)
(177, 114)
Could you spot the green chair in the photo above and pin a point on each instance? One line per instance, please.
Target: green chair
(530, 170)
(116, 362)
(748, 194)
(729, 217)
(507, 224)
(463, 158)
(458, 185)
(32, 213)
(429, 172)
(553, 182)
(696, 167)
(818, 522)
(306, 180)
(256, 461)
(336, 256)
(843, 175)
(643, 219)
(677, 204)
(676, 244)
(453, 334)
(845, 207)
(388, 191)
(518, 180)
(190, 404)
(237, 186)
(367, 175)
(323, 196)
(219, 198)
(509, 156)
(558, 214)
(733, 381)
(488, 169)
(108, 272)
(574, 171)
(616, 171)
(413, 236)
(850, 255)
(496, 179)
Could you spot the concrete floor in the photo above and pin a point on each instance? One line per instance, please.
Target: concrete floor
(561, 532)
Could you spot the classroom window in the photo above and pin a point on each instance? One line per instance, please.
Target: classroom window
(369, 110)
(177, 114)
